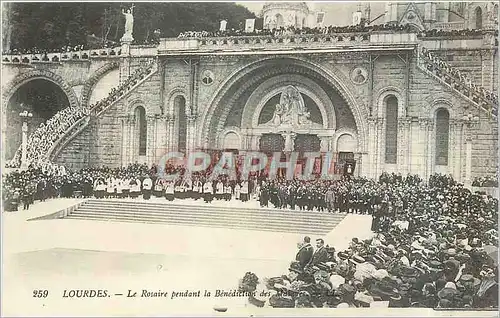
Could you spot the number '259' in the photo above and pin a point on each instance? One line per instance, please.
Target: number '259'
(40, 293)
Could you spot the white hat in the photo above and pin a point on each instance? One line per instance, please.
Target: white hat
(450, 285)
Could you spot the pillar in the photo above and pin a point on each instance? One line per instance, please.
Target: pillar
(191, 132)
(170, 120)
(151, 139)
(24, 146)
(403, 145)
(380, 154)
(430, 153)
(468, 158)
(423, 147)
(370, 170)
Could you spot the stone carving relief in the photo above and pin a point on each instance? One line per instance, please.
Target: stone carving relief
(359, 75)
(291, 112)
(207, 77)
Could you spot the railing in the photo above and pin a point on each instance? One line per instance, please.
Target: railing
(61, 56)
(486, 100)
(255, 42)
(69, 125)
(447, 26)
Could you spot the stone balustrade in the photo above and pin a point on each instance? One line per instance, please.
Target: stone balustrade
(61, 56)
(448, 26)
(303, 41)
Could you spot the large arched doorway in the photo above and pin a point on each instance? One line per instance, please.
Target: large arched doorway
(43, 98)
(329, 105)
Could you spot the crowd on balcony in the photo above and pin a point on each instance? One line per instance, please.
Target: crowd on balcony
(296, 31)
(460, 81)
(450, 33)
(487, 181)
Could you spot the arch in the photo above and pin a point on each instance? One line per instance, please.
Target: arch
(341, 132)
(231, 139)
(331, 76)
(274, 85)
(25, 77)
(346, 143)
(92, 81)
(442, 122)
(280, 21)
(179, 111)
(391, 129)
(441, 102)
(386, 91)
(142, 129)
(172, 95)
(478, 18)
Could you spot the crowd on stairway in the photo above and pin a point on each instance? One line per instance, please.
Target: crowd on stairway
(45, 135)
(462, 82)
(440, 251)
(117, 92)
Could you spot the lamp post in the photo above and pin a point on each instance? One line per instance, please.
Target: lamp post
(25, 117)
(469, 122)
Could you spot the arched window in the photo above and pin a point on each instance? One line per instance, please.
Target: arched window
(479, 18)
(442, 136)
(142, 128)
(391, 129)
(180, 115)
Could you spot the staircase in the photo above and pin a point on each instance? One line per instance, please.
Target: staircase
(478, 96)
(77, 123)
(275, 220)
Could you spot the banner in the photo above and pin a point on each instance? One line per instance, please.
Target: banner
(356, 17)
(320, 18)
(223, 25)
(249, 25)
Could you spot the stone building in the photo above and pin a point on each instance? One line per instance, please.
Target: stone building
(370, 96)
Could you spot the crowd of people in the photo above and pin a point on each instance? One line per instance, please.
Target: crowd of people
(438, 251)
(450, 33)
(488, 181)
(435, 246)
(115, 93)
(460, 81)
(281, 31)
(44, 136)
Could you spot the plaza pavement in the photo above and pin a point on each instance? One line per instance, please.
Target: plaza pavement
(59, 254)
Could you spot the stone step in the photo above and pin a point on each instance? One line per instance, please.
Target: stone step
(297, 215)
(209, 217)
(232, 225)
(276, 220)
(156, 205)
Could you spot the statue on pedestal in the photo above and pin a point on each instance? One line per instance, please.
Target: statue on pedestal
(129, 24)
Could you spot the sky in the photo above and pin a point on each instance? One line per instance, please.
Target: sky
(336, 13)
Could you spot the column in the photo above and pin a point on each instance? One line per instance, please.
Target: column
(191, 132)
(456, 149)
(403, 145)
(161, 136)
(380, 155)
(124, 127)
(370, 170)
(24, 146)
(423, 147)
(430, 149)
(151, 139)
(170, 133)
(468, 158)
(130, 139)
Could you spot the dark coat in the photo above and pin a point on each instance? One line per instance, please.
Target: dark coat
(319, 256)
(304, 255)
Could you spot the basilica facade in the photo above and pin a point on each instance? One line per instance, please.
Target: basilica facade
(377, 97)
